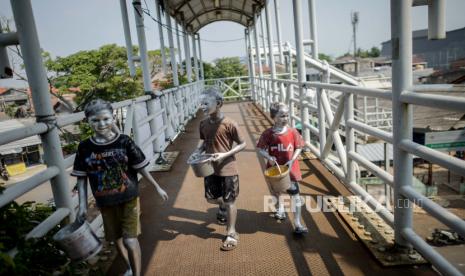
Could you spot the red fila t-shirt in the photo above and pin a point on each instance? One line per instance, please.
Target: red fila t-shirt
(282, 146)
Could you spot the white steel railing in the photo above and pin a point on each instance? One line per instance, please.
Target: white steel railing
(175, 107)
(329, 132)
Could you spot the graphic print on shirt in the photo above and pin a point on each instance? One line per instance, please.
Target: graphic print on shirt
(109, 169)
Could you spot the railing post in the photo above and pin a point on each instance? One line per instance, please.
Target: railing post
(181, 69)
(127, 37)
(200, 58)
(350, 140)
(263, 39)
(252, 67)
(174, 66)
(313, 36)
(297, 8)
(37, 78)
(278, 31)
(401, 37)
(161, 36)
(271, 51)
(259, 90)
(187, 50)
(196, 62)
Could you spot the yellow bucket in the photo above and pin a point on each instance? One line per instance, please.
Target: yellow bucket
(278, 177)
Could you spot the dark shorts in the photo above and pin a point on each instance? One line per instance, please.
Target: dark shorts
(226, 187)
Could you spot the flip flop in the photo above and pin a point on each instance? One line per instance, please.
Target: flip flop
(230, 242)
(280, 216)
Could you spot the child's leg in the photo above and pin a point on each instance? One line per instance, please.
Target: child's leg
(134, 254)
(230, 193)
(122, 251)
(294, 192)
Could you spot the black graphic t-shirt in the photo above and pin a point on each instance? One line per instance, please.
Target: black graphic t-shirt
(111, 168)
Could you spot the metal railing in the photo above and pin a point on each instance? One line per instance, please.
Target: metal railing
(175, 107)
(329, 131)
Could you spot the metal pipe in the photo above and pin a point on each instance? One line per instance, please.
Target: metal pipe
(436, 101)
(160, 34)
(139, 16)
(401, 35)
(31, 50)
(298, 29)
(278, 31)
(174, 66)
(385, 176)
(350, 139)
(48, 224)
(202, 73)
(259, 62)
(127, 37)
(23, 132)
(263, 40)
(438, 261)
(313, 36)
(196, 61)
(448, 218)
(454, 164)
(8, 39)
(437, 19)
(181, 69)
(334, 127)
(364, 128)
(187, 50)
(271, 49)
(250, 62)
(24, 186)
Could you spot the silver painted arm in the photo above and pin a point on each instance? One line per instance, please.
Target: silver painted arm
(222, 155)
(82, 195)
(146, 174)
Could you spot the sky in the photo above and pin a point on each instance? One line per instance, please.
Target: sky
(68, 26)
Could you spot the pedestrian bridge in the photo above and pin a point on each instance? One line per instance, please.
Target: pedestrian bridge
(181, 237)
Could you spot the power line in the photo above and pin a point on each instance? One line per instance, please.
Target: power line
(147, 12)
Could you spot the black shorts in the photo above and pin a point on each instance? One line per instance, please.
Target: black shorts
(226, 187)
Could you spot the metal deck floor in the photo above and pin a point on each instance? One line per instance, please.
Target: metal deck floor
(181, 237)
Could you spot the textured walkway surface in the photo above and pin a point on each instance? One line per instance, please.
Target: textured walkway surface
(181, 237)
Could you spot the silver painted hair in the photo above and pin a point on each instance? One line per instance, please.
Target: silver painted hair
(276, 107)
(95, 106)
(214, 92)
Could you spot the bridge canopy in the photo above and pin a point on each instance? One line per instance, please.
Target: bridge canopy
(196, 14)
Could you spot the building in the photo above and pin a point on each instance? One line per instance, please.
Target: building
(439, 54)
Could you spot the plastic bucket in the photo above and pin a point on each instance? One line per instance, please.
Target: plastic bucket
(202, 165)
(78, 241)
(278, 177)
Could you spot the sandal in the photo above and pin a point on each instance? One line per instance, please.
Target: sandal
(230, 242)
(280, 216)
(221, 217)
(300, 230)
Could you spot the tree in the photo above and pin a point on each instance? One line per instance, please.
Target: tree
(322, 56)
(228, 67)
(101, 73)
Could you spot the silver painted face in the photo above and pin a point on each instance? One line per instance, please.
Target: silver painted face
(101, 123)
(209, 105)
(281, 119)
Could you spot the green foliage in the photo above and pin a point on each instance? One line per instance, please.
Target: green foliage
(10, 110)
(228, 67)
(101, 73)
(322, 56)
(373, 52)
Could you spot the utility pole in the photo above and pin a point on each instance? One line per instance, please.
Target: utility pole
(354, 19)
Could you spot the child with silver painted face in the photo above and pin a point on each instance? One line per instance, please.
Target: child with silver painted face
(111, 162)
(219, 134)
(282, 144)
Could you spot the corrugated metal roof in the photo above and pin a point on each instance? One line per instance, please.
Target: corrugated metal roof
(13, 146)
(374, 152)
(199, 13)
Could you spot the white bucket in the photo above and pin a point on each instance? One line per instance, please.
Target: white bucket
(78, 241)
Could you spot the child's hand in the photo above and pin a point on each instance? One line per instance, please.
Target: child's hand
(218, 156)
(289, 163)
(162, 194)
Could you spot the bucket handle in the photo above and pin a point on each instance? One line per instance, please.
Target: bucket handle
(279, 168)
